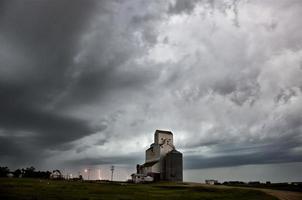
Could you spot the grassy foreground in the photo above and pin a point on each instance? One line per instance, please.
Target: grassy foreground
(11, 188)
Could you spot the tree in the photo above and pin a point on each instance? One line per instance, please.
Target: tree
(17, 173)
(4, 171)
(28, 172)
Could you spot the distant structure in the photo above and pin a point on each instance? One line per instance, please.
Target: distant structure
(163, 161)
(56, 174)
(112, 170)
(211, 182)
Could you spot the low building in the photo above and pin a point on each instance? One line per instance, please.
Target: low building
(56, 174)
(140, 178)
(211, 182)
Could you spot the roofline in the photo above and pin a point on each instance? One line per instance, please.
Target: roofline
(150, 163)
(163, 131)
(174, 151)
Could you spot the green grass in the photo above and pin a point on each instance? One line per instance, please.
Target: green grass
(34, 189)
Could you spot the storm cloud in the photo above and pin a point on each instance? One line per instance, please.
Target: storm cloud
(87, 82)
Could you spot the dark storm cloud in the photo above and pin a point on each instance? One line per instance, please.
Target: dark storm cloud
(29, 130)
(260, 152)
(46, 33)
(20, 151)
(20, 113)
(81, 149)
(40, 74)
(9, 147)
(285, 95)
(126, 159)
(101, 142)
(242, 90)
(195, 162)
(97, 84)
(87, 161)
(45, 26)
(182, 6)
(280, 150)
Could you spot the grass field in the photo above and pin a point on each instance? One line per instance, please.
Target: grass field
(34, 189)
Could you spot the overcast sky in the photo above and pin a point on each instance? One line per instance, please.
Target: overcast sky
(85, 83)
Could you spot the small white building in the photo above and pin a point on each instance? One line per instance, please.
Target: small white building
(211, 182)
(140, 178)
(56, 174)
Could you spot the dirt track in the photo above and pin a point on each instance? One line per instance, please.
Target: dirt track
(283, 195)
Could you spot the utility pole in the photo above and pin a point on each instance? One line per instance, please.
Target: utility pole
(112, 170)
